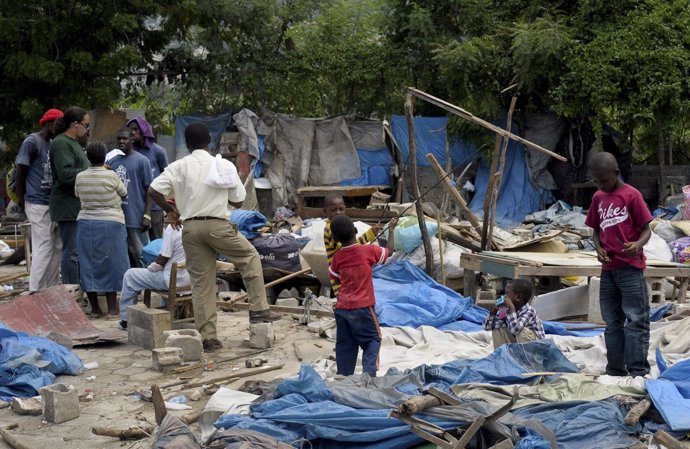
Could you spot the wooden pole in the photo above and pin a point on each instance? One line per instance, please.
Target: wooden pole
(409, 115)
(459, 200)
(12, 439)
(468, 116)
(159, 409)
(490, 193)
(501, 166)
(226, 379)
(243, 296)
(440, 249)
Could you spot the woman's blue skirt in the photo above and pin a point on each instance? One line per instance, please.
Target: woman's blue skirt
(103, 259)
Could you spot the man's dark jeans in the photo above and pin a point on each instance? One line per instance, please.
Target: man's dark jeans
(624, 304)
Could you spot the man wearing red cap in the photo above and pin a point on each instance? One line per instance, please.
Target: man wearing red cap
(34, 181)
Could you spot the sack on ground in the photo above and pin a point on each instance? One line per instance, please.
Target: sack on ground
(278, 251)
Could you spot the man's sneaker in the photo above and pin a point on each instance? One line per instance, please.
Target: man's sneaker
(123, 325)
(263, 316)
(211, 345)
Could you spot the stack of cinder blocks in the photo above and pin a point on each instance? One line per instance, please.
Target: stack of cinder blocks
(145, 326)
(179, 345)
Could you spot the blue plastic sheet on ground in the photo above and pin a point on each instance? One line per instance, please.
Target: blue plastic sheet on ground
(28, 363)
(151, 251)
(375, 168)
(406, 296)
(579, 425)
(657, 313)
(504, 366)
(217, 124)
(248, 222)
(671, 394)
(305, 407)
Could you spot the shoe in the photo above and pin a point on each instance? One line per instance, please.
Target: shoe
(123, 325)
(211, 345)
(263, 316)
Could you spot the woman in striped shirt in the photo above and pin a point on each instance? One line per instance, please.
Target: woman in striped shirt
(101, 233)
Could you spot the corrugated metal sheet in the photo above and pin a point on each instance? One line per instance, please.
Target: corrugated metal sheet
(56, 310)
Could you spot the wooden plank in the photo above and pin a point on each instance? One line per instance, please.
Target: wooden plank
(567, 302)
(352, 212)
(316, 191)
(496, 268)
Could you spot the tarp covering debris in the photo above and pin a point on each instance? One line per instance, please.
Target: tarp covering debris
(671, 395)
(28, 363)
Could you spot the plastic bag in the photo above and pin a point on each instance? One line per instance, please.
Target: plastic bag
(408, 236)
(681, 250)
(667, 231)
(657, 248)
(222, 174)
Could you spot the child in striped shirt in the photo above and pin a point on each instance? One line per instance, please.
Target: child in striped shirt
(334, 205)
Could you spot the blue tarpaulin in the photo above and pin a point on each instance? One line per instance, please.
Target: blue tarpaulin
(375, 167)
(671, 395)
(248, 222)
(517, 197)
(28, 363)
(406, 296)
(217, 124)
(305, 406)
(579, 425)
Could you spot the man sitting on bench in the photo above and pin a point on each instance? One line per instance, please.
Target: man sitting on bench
(157, 275)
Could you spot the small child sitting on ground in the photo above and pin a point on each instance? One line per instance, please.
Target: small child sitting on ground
(357, 325)
(514, 321)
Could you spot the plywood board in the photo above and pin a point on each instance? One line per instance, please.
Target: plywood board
(567, 302)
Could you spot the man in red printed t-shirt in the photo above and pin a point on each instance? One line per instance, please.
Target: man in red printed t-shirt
(357, 326)
(620, 220)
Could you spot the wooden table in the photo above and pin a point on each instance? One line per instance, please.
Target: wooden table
(520, 264)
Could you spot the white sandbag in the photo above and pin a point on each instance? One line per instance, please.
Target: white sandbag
(657, 248)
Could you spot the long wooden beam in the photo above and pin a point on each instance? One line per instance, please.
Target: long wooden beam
(472, 118)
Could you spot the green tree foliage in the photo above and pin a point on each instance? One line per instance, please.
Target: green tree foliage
(57, 54)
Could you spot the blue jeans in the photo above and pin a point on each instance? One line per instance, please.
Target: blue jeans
(137, 280)
(624, 304)
(357, 328)
(69, 261)
(136, 241)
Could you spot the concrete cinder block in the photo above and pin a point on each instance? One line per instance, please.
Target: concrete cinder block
(60, 403)
(166, 358)
(30, 406)
(288, 302)
(145, 326)
(261, 335)
(189, 340)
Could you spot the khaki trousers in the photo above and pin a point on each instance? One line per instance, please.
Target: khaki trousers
(502, 336)
(201, 241)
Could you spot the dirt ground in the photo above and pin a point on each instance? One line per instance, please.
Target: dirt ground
(124, 368)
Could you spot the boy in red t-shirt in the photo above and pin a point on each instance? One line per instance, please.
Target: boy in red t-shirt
(620, 220)
(357, 326)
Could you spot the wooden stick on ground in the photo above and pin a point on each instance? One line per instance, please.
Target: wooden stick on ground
(667, 440)
(133, 433)
(418, 404)
(635, 413)
(429, 255)
(12, 439)
(226, 379)
(298, 352)
(158, 404)
(244, 296)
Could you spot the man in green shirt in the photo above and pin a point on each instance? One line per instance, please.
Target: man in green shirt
(67, 159)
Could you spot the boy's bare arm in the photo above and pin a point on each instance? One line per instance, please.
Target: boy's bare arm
(633, 248)
(602, 254)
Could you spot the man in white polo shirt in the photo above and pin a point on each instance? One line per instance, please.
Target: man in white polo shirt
(203, 187)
